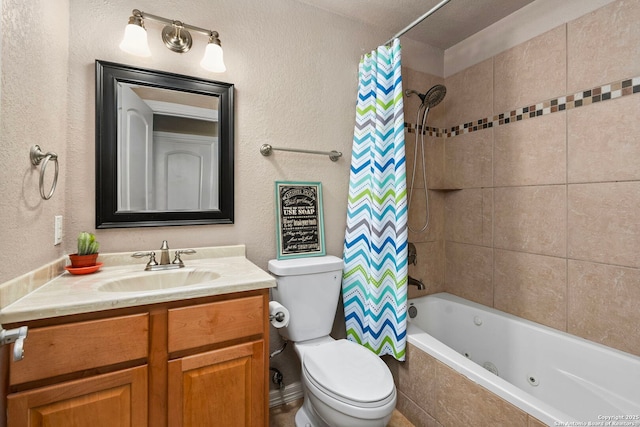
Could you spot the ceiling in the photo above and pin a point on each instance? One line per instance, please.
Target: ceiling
(451, 24)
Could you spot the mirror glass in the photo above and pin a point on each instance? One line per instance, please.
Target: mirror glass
(164, 148)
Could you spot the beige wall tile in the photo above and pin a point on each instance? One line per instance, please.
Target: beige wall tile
(435, 161)
(429, 268)
(599, 151)
(531, 152)
(469, 272)
(531, 286)
(421, 82)
(531, 219)
(462, 402)
(413, 412)
(468, 214)
(417, 217)
(393, 366)
(531, 72)
(603, 304)
(410, 155)
(469, 94)
(433, 154)
(534, 422)
(468, 160)
(604, 224)
(603, 46)
(411, 378)
(415, 383)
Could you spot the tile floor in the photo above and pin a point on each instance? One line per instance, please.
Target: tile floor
(283, 416)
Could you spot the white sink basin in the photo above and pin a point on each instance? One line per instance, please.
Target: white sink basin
(158, 280)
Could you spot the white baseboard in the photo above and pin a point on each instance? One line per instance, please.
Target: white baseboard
(285, 395)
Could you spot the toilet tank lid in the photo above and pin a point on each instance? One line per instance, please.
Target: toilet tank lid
(306, 265)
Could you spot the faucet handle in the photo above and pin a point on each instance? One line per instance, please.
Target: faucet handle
(151, 255)
(177, 259)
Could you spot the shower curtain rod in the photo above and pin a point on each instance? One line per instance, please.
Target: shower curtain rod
(417, 21)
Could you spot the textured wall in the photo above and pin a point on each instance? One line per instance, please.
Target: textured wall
(33, 110)
(295, 74)
(293, 88)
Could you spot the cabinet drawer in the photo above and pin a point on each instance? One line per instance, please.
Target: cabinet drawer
(74, 347)
(204, 324)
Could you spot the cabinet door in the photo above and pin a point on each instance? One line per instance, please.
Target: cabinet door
(117, 399)
(218, 388)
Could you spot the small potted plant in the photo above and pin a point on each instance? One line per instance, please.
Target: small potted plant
(87, 251)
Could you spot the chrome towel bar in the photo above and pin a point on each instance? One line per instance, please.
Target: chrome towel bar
(36, 155)
(267, 149)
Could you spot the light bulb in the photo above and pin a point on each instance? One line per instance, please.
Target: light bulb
(212, 60)
(135, 40)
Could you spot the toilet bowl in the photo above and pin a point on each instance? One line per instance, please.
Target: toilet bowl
(344, 383)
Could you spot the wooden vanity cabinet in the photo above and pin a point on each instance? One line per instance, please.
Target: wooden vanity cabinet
(201, 362)
(224, 386)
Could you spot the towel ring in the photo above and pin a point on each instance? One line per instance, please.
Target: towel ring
(38, 156)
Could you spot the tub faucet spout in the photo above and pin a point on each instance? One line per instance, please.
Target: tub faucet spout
(417, 283)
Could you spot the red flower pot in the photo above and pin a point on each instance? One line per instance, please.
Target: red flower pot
(78, 261)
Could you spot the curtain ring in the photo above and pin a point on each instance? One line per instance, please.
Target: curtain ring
(37, 156)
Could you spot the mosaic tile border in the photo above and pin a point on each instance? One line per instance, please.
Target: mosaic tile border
(579, 99)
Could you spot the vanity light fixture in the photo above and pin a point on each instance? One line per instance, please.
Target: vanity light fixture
(175, 36)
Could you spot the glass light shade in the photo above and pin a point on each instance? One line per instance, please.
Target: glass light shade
(212, 60)
(135, 41)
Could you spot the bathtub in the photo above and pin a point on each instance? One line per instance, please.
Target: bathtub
(556, 377)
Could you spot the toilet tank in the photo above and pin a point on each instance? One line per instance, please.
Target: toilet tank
(309, 288)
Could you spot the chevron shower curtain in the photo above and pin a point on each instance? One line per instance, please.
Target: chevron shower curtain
(374, 286)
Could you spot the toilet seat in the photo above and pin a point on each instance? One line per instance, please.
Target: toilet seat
(349, 373)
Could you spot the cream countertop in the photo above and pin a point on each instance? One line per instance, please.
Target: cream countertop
(69, 294)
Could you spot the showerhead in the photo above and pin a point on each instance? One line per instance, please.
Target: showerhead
(433, 97)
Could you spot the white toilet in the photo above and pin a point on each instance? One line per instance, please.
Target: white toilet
(345, 384)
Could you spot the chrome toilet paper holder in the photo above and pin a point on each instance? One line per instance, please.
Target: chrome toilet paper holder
(278, 317)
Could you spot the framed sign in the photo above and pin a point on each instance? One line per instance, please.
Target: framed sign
(299, 222)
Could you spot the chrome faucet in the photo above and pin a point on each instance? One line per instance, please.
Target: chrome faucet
(164, 258)
(164, 253)
(417, 283)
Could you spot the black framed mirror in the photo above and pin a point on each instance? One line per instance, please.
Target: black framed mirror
(164, 148)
